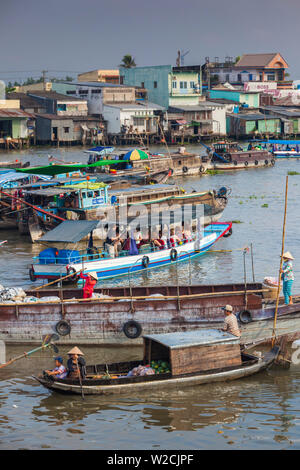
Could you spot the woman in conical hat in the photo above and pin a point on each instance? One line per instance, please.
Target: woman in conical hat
(287, 277)
(76, 364)
(91, 281)
(76, 350)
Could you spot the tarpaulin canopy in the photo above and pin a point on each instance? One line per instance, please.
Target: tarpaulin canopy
(61, 169)
(70, 231)
(13, 176)
(100, 150)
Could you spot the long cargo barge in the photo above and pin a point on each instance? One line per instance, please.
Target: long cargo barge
(121, 316)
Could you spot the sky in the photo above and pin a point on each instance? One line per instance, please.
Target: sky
(66, 37)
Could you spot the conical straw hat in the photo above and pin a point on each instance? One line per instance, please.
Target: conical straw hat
(94, 275)
(75, 350)
(287, 255)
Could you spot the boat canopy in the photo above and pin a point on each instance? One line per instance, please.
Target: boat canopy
(274, 141)
(70, 231)
(61, 169)
(13, 176)
(186, 339)
(100, 150)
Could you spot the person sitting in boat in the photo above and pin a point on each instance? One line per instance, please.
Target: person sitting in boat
(174, 239)
(90, 282)
(59, 372)
(138, 237)
(76, 364)
(113, 241)
(287, 277)
(186, 233)
(230, 323)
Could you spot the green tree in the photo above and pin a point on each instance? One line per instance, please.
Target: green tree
(237, 59)
(128, 62)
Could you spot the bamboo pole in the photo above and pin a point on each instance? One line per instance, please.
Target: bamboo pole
(281, 260)
(148, 297)
(56, 280)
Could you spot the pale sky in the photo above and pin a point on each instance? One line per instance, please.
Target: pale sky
(72, 36)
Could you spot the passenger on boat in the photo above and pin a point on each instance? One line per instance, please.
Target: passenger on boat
(138, 237)
(230, 323)
(113, 241)
(91, 281)
(186, 233)
(76, 364)
(59, 372)
(287, 277)
(174, 239)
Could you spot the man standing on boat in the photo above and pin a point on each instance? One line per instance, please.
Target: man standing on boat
(230, 323)
(287, 277)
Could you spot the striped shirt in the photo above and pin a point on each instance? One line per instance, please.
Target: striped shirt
(231, 325)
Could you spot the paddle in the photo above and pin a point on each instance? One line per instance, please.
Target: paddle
(48, 341)
(80, 380)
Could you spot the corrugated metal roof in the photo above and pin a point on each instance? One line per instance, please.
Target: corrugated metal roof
(201, 337)
(14, 113)
(70, 231)
(53, 95)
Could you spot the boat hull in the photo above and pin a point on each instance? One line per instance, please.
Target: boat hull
(166, 384)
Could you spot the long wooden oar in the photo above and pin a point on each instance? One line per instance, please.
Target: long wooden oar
(80, 380)
(25, 354)
(281, 261)
(57, 280)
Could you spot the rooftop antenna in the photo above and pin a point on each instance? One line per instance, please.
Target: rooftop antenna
(182, 56)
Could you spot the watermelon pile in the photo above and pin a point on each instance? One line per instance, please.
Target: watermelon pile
(161, 367)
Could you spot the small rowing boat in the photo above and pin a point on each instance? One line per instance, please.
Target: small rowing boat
(173, 360)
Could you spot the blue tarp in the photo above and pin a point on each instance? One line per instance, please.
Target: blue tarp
(274, 141)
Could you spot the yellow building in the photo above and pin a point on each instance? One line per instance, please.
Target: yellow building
(104, 76)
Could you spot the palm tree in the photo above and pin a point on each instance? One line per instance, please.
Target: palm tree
(128, 62)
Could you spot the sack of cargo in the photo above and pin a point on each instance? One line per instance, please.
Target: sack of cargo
(48, 256)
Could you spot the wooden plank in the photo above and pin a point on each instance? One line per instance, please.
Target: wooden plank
(198, 358)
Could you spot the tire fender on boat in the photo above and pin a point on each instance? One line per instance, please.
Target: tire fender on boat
(244, 316)
(272, 162)
(32, 275)
(202, 169)
(246, 163)
(266, 162)
(132, 329)
(228, 234)
(256, 162)
(185, 169)
(70, 271)
(173, 254)
(145, 261)
(63, 328)
(235, 162)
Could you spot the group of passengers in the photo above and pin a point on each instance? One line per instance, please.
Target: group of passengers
(117, 240)
(75, 366)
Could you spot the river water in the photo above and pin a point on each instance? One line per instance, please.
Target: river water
(259, 412)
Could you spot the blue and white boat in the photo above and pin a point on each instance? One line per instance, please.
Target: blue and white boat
(283, 148)
(53, 263)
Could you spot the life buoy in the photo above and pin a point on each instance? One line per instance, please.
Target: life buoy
(266, 162)
(202, 169)
(145, 261)
(235, 162)
(63, 328)
(272, 162)
(246, 163)
(70, 271)
(244, 316)
(32, 275)
(185, 169)
(173, 254)
(132, 329)
(256, 162)
(228, 233)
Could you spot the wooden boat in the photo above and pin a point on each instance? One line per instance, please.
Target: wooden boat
(230, 156)
(192, 358)
(97, 201)
(283, 148)
(120, 315)
(52, 263)
(180, 163)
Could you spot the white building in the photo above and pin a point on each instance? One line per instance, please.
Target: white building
(134, 117)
